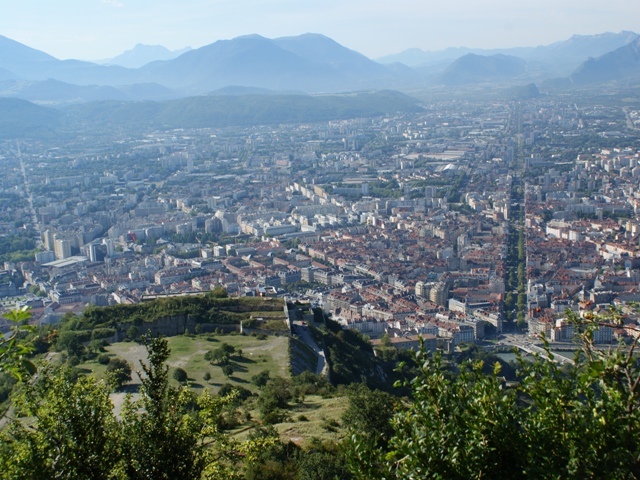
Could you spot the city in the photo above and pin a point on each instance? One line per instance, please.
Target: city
(463, 221)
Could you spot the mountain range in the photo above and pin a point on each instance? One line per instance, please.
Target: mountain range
(309, 63)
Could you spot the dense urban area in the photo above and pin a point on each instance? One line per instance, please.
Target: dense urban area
(465, 221)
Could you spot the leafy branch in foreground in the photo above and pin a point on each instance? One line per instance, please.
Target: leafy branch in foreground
(584, 423)
(14, 349)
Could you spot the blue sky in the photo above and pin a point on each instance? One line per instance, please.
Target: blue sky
(96, 29)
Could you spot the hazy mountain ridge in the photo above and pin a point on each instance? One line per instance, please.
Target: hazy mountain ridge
(619, 64)
(472, 68)
(142, 54)
(20, 118)
(577, 48)
(309, 63)
(240, 110)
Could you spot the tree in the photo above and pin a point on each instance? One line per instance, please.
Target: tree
(220, 355)
(227, 370)
(206, 377)
(219, 292)
(119, 372)
(180, 375)
(370, 412)
(132, 332)
(72, 432)
(580, 423)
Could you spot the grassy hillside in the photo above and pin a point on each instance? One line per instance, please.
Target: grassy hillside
(187, 352)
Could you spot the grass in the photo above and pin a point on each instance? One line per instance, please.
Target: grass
(315, 417)
(323, 420)
(188, 352)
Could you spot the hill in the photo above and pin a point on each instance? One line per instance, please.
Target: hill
(572, 51)
(19, 118)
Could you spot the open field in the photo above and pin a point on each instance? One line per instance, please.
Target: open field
(188, 352)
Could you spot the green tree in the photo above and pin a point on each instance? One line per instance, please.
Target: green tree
(370, 412)
(180, 375)
(219, 292)
(260, 379)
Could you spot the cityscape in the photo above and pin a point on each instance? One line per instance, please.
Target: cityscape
(275, 258)
(464, 221)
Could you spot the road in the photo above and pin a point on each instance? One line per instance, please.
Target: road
(305, 335)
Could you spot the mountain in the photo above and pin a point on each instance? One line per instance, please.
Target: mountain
(523, 92)
(148, 91)
(7, 75)
(307, 63)
(142, 54)
(472, 68)
(20, 59)
(20, 118)
(320, 49)
(310, 63)
(619, 64)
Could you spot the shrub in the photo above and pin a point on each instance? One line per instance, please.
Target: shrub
(103, 359)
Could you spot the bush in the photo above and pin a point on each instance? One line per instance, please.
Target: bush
(119, 372)
(103, 359)
(260, 379)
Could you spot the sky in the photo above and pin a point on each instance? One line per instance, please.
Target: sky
(100, 29)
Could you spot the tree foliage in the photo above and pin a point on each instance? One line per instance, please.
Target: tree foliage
(15, 349)
(584, 423)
